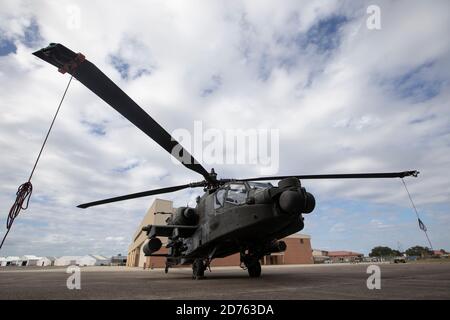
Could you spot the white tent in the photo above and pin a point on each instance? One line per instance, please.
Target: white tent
(94, 260)
(46, 261)
(12, 261)
(87, 260)
(2, 261)
(101, 260)
(29, 260)
(67, 260)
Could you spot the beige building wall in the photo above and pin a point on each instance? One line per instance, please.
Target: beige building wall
(136, 257)
(298, 250)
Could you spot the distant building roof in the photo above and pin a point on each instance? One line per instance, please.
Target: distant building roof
(299, 236)
(318, 252)
(344, 254)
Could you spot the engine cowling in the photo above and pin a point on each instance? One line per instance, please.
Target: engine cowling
(310, 203)
(185, 216)
(291, 201)
(291, 182)
(295, 199)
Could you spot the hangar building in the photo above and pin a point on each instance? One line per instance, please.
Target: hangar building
(345, 256)
(298, 245)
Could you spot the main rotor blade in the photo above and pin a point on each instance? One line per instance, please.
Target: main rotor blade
(95, 80)
(401, 174)
(140, 194)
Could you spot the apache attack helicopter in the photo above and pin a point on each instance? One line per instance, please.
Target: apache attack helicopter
(246, 216)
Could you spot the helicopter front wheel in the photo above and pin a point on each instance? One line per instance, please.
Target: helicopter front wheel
(198, 269)
(254, 269)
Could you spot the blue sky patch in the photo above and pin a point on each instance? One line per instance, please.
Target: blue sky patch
(423, 119)
(128, 167)
(216, 82)
(340, 221)
(32, 36)
(265, 67)
(120, 65)
(125, 69)
(320, 39)
(96, 129)
(415, 84)
(323, 35)
(141, 72)
(41, 198)
(6, 47)
(35, 223)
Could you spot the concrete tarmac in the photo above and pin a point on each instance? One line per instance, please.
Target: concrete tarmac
(336, 281)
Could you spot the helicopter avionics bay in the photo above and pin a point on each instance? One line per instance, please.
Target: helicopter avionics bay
(230, 146)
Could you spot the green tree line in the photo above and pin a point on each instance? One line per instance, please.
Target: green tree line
(420, 251)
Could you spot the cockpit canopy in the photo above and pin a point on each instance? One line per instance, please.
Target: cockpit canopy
(236, 193)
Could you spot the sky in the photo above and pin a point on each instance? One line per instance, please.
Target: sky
(343, 97)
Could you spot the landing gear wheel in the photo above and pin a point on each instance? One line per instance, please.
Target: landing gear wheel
(254, 269)
(198, 269)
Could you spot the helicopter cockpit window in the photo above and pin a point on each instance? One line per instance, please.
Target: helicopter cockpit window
(237, 193)
(259, 185)
(219, 199)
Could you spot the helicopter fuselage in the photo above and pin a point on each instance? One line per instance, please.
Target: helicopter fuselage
(237, 217)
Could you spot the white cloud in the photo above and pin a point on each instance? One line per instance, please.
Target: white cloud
(338, 228)
(379, 224)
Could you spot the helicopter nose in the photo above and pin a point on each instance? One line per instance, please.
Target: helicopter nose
(291, 201)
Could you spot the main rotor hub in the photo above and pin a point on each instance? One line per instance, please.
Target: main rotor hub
(212, 182)
(213, 174)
